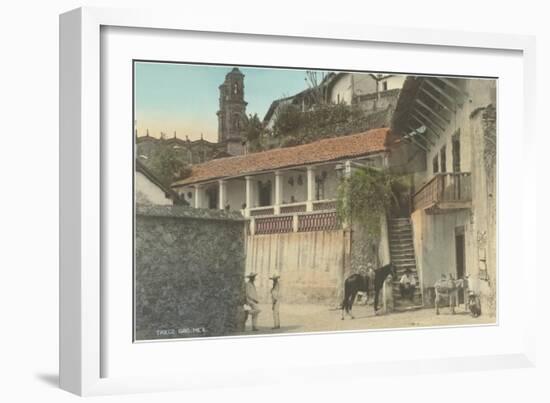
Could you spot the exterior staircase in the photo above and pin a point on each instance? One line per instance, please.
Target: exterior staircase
(403, 257)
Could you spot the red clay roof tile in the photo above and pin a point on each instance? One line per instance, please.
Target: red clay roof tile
(331, 149)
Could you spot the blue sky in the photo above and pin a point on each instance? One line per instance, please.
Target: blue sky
(184, 97)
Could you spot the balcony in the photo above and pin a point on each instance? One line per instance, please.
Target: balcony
(318, 215)
(445, 191)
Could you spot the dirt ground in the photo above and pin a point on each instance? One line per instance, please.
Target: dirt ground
(314, 318)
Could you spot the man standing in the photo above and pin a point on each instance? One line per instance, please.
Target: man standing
(252, 300)
(275, 301)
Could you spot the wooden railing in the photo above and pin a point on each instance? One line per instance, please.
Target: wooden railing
(319, 222)
(261, 211)
(452, 187)
(293, 208)
(274, 224)
(320, 205)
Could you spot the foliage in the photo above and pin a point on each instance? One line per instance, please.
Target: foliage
(253, 129)
(314, 80)
(288, 119)
(167, 164)
(291, 122)
(253, 132)
(490, 139)
(366, 196)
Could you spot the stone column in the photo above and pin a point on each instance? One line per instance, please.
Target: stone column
(278, 192)
(248, 195)
(198, 196)
(222, 194)
(310, 188)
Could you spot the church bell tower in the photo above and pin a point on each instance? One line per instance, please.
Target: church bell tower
(232, 113)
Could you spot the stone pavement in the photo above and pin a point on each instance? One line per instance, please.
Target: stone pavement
(298, 318)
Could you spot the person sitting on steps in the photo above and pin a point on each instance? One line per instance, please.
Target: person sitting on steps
(407, 285)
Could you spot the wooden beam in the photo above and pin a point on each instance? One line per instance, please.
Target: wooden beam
(453, 86)
(430, 120)
(439, 102)
(421, 136)
(434, 113)
(418, 144)
(441, 91)
(432, 131)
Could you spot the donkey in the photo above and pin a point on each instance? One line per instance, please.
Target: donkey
(448, 289)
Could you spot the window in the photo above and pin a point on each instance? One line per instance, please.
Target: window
(320, 186)
(264, 193)
(456, 152)
(443, 158)
(435, 164)
(385, 86)
(212, 195)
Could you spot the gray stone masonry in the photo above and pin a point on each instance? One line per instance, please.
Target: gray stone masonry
(189, 272)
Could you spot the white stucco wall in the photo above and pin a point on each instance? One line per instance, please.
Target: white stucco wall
(481, 93)
(148, 192)
(393, 82)
(363, 83)
(341, 90)
(311, 264)
(434, 235)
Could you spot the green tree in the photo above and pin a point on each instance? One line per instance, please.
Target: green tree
(168, 164)
(366, 196)
(253, 132)
(288, 119)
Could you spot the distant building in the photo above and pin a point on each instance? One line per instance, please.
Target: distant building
(149, 190)
(369, 92)
(191, 152)
(232, 117)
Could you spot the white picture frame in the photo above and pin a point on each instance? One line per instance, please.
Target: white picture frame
(82, 176)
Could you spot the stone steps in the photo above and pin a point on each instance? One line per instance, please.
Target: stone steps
(403, 257)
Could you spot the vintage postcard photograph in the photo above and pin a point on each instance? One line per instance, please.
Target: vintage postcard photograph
(271, 200)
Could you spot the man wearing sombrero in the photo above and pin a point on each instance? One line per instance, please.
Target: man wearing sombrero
(252, 300)
(275, 300)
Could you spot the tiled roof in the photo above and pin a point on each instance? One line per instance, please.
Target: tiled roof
(331, 149)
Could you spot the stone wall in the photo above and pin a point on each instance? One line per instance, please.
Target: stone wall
(189, 272)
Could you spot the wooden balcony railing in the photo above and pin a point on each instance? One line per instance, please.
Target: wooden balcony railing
(293, 208)
(326, 221)
(445, 191)
(274, 224)
(261, 211)
(320, 205)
